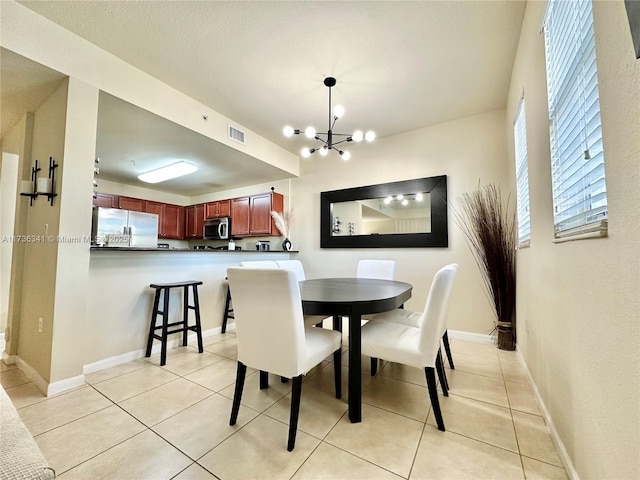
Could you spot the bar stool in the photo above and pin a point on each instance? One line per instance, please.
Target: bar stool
(184, 323)
(228, 309)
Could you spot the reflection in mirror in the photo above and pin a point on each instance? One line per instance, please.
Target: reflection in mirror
(404, 213)
(410, 213)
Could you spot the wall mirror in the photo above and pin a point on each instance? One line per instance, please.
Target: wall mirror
(410, 213)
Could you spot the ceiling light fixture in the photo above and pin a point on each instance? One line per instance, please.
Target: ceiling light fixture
(328, 142)
(167, 173)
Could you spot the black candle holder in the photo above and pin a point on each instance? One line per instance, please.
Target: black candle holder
(34, 180)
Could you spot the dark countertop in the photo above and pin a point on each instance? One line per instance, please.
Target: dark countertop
(182, 250)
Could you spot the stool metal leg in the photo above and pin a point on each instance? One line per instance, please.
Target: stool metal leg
(196, 306)
(154, 315)
(165, 326)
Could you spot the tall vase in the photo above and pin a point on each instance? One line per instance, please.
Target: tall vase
(286, 245)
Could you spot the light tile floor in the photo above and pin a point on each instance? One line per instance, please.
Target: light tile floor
(143, 421)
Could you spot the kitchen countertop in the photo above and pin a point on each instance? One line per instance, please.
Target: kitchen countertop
(182, 250)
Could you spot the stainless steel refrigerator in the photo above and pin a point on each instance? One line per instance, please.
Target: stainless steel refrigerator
(124, 228)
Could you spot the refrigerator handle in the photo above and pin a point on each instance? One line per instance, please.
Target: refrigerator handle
(124, 230)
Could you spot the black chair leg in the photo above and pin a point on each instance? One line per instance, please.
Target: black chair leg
(226, 311)
(337, 372)
(447, 349)
(442, 375)
(237, 395)
(264, 379)
(296, 391)
(374, 366)
(433, 394)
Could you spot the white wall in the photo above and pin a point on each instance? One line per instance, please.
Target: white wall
(468, 150)
(581, 300)
(42, 222)
(9, 175)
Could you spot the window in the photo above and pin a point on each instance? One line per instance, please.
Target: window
(522, 177)
(577, 157)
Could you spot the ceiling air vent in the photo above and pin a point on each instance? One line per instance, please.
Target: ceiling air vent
(237, 135)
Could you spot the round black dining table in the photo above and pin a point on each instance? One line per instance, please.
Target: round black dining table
(352, 297)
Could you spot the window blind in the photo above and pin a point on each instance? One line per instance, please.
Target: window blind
(577, 156)
(522, 176)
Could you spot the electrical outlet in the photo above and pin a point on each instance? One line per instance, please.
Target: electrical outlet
(40, 324)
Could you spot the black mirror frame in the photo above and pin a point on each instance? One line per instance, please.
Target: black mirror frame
(438, 238)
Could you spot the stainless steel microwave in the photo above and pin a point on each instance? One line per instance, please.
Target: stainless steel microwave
(217, 228)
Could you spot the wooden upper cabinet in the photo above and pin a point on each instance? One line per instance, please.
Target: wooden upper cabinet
(170, 219)
(251, 216)
(106, 200)
(194, 219)
(135, 204)
(260, 214)
(240, 216)
(173, 222)
(221, 208)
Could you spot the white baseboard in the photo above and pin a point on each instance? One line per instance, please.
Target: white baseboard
(174, 342)
(55, 388)
(555, 436)
(470, 337)
(33, 375)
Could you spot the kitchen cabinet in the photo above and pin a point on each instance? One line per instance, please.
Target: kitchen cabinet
(106, 200)
(173, 222)
(135, 204)
(170, 219)
(194, 219)
(240, 217)
(221, 208)
(251, 216)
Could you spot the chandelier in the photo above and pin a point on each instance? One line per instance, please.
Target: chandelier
(329, 140)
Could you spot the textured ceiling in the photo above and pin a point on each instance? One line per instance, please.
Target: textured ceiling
(399, 65)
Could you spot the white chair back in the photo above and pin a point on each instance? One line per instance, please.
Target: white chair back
(269, 320)
(434, 318)
(259, 264)
(293, 266)
(381, 269)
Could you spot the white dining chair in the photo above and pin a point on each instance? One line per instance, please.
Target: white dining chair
(407, 317)
(296, 267)
(416, 346)
(259, 264)
(381, 269)
(272, 337)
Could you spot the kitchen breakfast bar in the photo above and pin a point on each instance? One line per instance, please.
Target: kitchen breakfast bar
(120, 300)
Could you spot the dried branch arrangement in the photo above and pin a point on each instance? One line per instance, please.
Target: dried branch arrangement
(489, 227)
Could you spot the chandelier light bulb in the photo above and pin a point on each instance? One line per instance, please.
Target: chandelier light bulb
(310, 132)
(388, 200)
(357, 136)
(338, 111)
(405, 202)
(370, 136)
(288, 131)
(305, 152)
(323, 151)
(399, 197)
(419, 197)
(345, 155)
